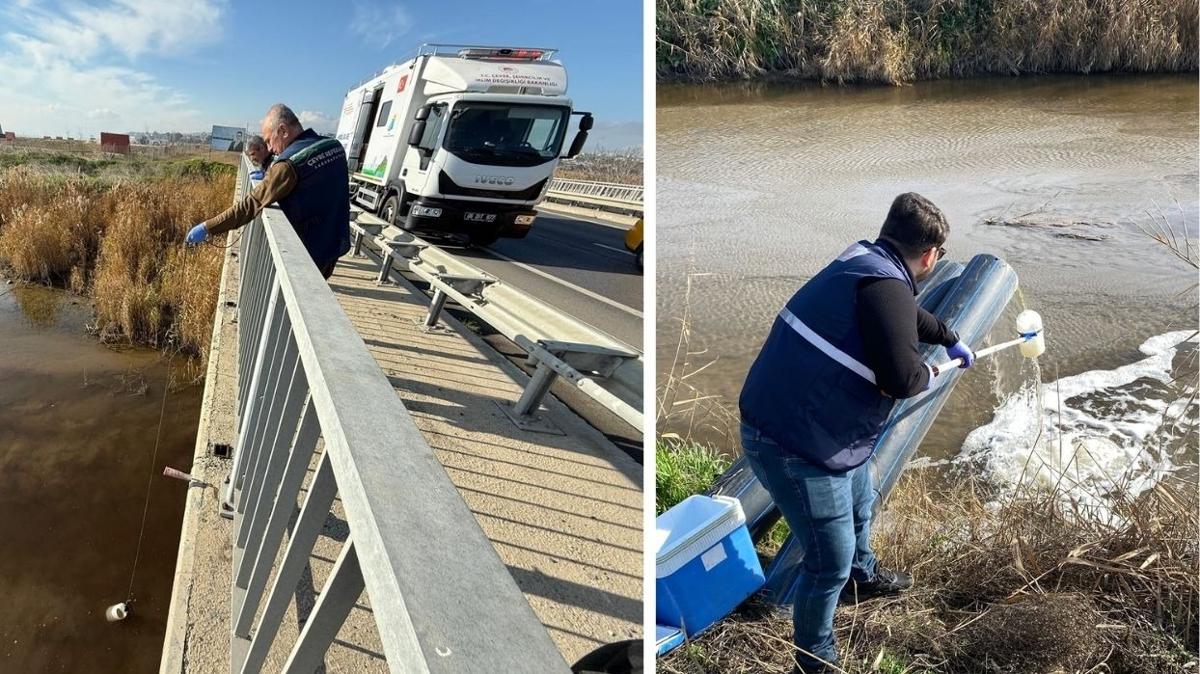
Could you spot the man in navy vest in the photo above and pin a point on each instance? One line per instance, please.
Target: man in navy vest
(310, 181)
(259, 155)
(838, 356)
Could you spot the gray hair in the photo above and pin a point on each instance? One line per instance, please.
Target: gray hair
(282, 114)
(255, 142)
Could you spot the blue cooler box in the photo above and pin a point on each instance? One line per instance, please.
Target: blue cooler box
(706, 562)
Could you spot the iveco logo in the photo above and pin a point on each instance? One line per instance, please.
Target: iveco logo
(493, 180)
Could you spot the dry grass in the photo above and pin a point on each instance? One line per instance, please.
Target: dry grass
(897, 41)
(118, 242)
(1034, 583)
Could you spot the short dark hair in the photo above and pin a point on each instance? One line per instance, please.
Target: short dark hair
(914, 225)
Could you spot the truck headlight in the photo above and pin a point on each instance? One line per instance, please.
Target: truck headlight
(525, 219)
(426, 212)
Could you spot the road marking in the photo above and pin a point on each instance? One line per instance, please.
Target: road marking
(619, 250)
(583, 291)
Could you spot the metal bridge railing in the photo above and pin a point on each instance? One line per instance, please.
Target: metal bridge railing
(604, 195)
(440, 597)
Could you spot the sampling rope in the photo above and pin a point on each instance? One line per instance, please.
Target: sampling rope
(150, 481)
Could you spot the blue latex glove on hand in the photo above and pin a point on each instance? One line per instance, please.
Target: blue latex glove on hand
(256, 175)
(197, 235)
(960, 350)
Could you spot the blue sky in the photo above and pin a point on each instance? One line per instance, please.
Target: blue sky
(70, 67)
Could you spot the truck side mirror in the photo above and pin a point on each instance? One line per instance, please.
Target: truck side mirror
(417, 132)
(422, 113)
(585, 122)
(577, 144)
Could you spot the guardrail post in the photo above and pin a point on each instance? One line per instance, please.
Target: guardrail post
(435, 307)
(535, 390)
(385, 266)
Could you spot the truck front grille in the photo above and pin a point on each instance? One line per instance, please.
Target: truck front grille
(450, 188)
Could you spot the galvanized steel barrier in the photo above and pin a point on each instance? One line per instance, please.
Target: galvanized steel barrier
(604, 368)
(440, 597)
(613, 196)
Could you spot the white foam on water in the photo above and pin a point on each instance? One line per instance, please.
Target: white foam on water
(1113, 427)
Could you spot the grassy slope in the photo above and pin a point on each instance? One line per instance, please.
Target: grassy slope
(1025, 583)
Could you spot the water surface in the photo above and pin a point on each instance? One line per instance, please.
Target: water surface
(77, 433)
(759, 186)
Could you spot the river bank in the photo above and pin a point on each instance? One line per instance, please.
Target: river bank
(899, 41)
(1010, 582)
(111, 230)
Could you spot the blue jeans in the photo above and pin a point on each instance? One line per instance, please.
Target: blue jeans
(830, 516)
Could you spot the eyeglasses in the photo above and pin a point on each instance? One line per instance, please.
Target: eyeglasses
(941, 252)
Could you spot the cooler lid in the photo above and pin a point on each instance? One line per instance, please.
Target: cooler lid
(695, 524)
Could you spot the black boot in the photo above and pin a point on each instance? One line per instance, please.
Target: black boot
(886, 582)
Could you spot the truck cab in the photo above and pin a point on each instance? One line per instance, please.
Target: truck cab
(460, 144)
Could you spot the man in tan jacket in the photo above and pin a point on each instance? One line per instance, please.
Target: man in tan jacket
(310, 181)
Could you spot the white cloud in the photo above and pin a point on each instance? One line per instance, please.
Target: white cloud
(60, 62)
(318, 121)
(379, 23)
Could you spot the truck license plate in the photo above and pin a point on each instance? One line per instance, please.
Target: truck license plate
(480, 217)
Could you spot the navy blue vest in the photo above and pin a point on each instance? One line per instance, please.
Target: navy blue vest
(319, 205)
(809, 390)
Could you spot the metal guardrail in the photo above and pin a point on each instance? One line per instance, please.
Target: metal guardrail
(602, 367)
(440, 597)
(611, 196)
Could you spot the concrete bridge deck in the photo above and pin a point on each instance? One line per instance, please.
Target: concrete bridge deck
(563, 511)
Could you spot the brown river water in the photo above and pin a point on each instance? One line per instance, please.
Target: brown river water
(77, 433)
(759, 186)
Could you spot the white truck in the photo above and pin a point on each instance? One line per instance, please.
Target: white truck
(460, 141)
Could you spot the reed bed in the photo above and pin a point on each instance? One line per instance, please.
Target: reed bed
(898, 41)
(118, 241)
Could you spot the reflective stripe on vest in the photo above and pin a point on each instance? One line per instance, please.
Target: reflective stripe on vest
(825, 347)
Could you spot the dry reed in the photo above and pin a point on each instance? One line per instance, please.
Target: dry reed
(119, 243)
(897, 41)
(1034, 583)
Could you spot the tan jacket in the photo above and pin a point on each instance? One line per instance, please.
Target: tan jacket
(279, 182)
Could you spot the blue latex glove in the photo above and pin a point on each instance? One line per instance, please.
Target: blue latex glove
(197, 235)
(960, 350)
(256, 175)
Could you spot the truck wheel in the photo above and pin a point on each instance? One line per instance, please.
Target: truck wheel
(481, 239)
(391, 208)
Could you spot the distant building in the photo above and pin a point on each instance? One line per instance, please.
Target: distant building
(117, 143)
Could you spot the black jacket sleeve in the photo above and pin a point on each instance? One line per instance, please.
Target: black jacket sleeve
(891, 325)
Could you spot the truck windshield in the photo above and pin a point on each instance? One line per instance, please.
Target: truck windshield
(502, 134)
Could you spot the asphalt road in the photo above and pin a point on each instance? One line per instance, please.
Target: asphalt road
(576, 265)
(581, 267)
